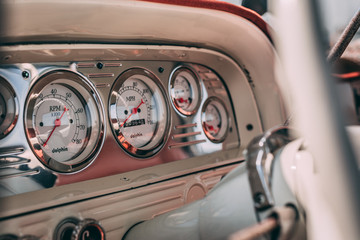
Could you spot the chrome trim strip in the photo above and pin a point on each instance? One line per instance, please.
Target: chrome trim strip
(102, 85)
(85, 65)
(186, 126)
(185, 144)
(183, 135)
(23, 173)
(8, 163)
(112, 64)
(11, 151)
(100, 75)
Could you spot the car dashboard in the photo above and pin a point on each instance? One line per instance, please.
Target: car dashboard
(111, 134)
(96, 98)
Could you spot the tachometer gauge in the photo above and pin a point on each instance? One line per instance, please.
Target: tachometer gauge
(215, 120)
(185, 90)
(8, 108)
(63, 123)
(139, 112)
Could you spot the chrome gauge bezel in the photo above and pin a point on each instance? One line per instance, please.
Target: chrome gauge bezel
(11, 108)
(160, 136)
(95, 129)
(194, 84)
(224, 127)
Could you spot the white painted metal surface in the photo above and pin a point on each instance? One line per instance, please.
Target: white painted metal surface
(118, 211)
(328, 176)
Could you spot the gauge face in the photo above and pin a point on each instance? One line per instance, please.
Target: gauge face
(8, 108)
(138, 112)
(215, 120)
(185, 90)
(60, 122)
(63, 123)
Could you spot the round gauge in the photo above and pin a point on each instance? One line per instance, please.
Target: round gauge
(185, 90)
(215, 120)
(64, 125)
(8, 108)
(139, 112)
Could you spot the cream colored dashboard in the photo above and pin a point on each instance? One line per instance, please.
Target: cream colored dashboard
(200, 130)
(82, 120)
(227, 61)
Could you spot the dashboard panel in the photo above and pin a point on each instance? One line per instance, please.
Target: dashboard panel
(69, 106)
(92, 128)
(216, 86)
(71, 110)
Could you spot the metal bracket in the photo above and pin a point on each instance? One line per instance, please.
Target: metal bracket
(259, 156)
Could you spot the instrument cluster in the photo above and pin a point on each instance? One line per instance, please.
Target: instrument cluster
(73, 114)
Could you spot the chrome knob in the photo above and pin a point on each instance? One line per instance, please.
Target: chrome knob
(88, 229)
(65, 229)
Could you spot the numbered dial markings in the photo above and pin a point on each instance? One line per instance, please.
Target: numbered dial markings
(138, 112)
(215, 120)
(60, 122)
(185, 90)
(63, 124)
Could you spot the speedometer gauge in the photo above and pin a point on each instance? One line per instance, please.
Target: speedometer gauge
(214, 120)
(185, 90)
(64, 126)
(139, 112)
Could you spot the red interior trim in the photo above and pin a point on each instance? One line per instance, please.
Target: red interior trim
(244, 12)
(347, 75)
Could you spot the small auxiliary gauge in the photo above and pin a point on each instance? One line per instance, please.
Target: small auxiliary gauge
(8, 108)
(139, 112)
(64, 125)
(215, 120)
(185, 90)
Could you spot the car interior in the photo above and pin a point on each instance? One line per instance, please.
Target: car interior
(160, 119)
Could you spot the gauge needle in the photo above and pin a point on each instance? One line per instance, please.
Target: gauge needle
(57, 124)
(211, 128)
(181, 100)
(134, 110)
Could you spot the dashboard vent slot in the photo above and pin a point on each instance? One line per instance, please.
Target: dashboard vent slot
(10, 151)
(14, 166)
(182, 137)
(85, 65)
(12, 161)
(185, 126)
(185, 144)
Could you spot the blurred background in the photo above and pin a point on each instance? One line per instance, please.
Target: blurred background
(335, 14)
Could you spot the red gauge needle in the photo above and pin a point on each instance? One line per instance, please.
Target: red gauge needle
(57, 124)
(133, 111)
(211, 128)
(181, 100)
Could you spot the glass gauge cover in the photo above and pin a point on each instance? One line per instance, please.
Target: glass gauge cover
(139, 112)
(8, 108)
(184, 90)
(215, 120)
(64, 125)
